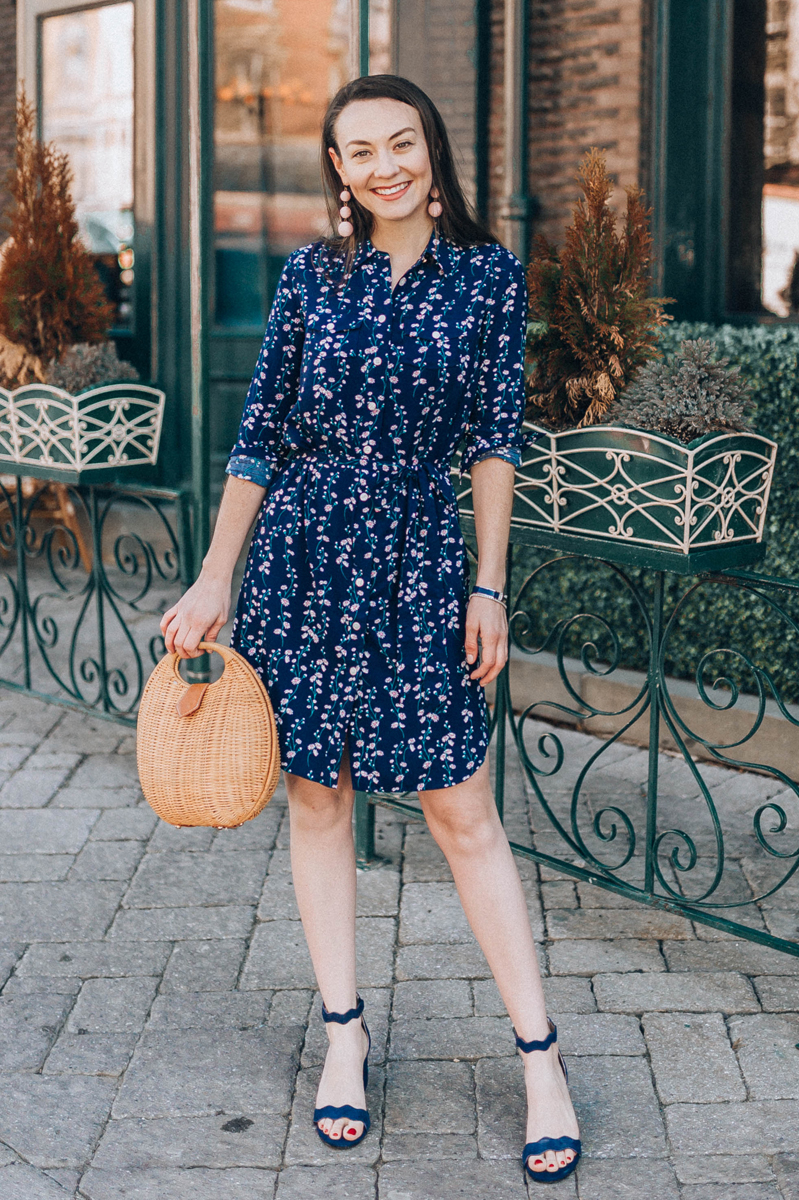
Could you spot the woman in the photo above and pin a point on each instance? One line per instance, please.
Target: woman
(385, 346)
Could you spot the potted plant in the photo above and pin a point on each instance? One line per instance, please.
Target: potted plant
(621, 448)
(68, 405)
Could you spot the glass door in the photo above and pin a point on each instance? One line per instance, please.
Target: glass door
(277, 64)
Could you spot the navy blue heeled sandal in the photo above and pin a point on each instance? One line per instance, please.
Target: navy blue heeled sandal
(534, 1149)
(333, 1111)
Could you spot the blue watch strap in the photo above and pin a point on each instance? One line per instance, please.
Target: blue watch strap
(490, 593)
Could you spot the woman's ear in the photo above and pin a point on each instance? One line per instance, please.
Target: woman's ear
(337, 163)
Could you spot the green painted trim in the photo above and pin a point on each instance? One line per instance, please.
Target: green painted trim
(363, 37)
(482, 105)
(691, 115)
(200, 172)
(659, 136)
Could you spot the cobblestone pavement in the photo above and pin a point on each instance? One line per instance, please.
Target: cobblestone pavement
(161, 1040)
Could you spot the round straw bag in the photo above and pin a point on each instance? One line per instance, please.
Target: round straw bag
(207, 752)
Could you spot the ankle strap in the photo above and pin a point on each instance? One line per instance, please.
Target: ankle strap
(343, 1018)
(528, 1047)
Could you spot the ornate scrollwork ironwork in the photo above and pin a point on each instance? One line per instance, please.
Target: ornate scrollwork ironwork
(684, 865)
(85, 573)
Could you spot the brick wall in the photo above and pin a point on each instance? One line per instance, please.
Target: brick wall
(585, 70)
(435, 48)
(8, 77)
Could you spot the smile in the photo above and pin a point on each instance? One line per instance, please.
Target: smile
(391, 193)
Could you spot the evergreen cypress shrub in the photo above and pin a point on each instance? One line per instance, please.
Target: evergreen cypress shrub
(768, 358)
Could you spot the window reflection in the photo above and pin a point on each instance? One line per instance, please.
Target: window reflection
(87, 110)
(278, 63)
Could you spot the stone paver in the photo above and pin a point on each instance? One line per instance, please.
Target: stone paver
(692, 1058)
(161, 1035)
(682, 991)
(766, 1046)
(112, 1006)
(28, 1027)
(134, 1144)
(198, 1184)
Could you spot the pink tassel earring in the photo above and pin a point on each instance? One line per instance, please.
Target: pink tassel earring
(435, 208)
(345, 225)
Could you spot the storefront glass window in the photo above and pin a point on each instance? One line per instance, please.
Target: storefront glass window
(278, 62)
(86, 106)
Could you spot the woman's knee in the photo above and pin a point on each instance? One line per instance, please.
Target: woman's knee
(464, 828)
(314, 805)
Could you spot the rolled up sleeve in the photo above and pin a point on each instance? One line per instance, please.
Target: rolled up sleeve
(256, 454)
(495, 423)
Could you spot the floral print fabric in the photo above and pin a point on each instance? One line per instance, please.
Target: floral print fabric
(353, 603)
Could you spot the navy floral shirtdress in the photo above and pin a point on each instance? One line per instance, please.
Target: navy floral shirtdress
(352, 608)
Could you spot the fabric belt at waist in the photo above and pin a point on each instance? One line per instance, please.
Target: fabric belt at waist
(417, 473)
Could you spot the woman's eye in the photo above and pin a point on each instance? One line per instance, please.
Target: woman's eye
(358, 153)
(400, 145)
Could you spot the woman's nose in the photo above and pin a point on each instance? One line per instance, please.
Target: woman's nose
(385, 166)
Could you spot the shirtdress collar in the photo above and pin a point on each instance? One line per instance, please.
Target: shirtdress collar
(438, 250)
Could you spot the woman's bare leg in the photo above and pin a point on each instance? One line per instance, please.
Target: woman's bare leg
(465, 823)
(323, 868)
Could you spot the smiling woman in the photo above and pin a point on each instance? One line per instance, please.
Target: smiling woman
(388, 346)
(406, 162)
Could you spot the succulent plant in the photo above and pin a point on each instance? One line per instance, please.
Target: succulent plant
(87, 366)
(686, 396)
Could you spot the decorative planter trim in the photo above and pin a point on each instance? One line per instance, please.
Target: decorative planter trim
(118, 425)
(646, 489)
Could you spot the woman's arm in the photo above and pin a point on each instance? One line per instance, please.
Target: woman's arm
(492, 493)
(203, 609)
(253, 464)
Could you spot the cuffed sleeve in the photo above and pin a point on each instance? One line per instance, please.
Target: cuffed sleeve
(494, 428)
(256, 454)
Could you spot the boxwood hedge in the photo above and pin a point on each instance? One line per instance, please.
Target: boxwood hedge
(715, 617)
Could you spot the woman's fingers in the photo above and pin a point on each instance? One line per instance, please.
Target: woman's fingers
(486, 623)
(170, 628)
(472, 634)
(168, 616)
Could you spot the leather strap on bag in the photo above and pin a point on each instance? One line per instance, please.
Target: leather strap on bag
(191, 699)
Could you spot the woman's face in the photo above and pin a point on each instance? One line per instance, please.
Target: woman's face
(382, 158)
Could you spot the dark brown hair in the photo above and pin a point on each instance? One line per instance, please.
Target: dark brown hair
(458, 222)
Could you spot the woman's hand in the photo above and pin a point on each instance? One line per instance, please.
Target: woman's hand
(198, 616)
(488, 621)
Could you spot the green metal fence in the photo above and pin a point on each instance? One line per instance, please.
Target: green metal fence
(701, 852)
(87, 571)
(85, 574)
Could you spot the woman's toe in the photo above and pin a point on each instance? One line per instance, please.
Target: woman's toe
(537, 1163)
(352, 1130)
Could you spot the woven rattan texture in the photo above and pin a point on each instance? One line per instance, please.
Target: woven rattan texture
(218, 766)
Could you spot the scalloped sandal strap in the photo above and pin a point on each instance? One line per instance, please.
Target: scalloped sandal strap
(528, 1047)
(544, 1144)
(335, 1111)
(343, 1018)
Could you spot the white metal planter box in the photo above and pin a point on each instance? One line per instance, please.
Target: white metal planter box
(48, 432)
(646, 488)
(642, 496)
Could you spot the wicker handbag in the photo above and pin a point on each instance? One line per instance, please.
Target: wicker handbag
(207, 752)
